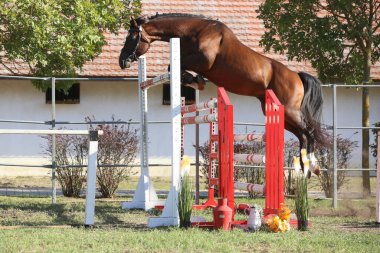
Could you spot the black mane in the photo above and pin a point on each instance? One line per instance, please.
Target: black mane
(186, 15)
(144, 19)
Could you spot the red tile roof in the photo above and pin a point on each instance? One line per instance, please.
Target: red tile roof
(239, 15)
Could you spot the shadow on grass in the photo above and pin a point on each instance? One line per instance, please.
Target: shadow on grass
(24, 212)
(362, 225)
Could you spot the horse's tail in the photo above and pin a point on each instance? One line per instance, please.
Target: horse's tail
(311, 107)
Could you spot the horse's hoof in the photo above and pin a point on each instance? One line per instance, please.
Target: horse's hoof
(197, 83)
(308, 174)
(186, 78)
(201, 82)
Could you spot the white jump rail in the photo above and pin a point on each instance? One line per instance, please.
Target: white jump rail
(92, 162)
(45, 132)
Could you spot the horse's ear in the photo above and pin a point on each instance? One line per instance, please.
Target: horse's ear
(133, 23)
(142, 20)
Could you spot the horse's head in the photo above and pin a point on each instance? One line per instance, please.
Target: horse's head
(136, 43)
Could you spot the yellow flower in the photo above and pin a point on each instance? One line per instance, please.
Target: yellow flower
(276, 224)
(286, 225)
(284, 213)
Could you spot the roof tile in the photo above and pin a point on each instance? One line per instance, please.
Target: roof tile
(239, 15)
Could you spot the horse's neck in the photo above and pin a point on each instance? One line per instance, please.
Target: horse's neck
(164, 30)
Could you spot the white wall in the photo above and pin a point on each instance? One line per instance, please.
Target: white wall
(21, 101)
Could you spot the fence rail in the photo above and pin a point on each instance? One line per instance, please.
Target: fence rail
(53, 123)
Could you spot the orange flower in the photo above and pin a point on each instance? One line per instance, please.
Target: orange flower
(284, 213)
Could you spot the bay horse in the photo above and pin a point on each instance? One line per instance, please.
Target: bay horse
(210, 49)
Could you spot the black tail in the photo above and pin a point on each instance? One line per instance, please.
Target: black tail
(311, 107)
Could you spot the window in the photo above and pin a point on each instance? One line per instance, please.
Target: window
(71, 96)
(186, 92)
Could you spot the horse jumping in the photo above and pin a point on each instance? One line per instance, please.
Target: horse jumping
(210, 48)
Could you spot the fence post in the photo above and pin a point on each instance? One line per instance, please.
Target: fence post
(378, 180)
(91, 179)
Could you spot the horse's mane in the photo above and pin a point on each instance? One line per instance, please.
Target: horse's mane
(186, 15)
(145, 19)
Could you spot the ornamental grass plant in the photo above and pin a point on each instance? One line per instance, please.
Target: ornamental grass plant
(301, 201)
(185, 201)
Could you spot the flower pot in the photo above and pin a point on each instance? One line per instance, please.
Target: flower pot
(303, 225)
(185, 224)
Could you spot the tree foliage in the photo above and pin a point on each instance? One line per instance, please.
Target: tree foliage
(340, 38)
(56, 37)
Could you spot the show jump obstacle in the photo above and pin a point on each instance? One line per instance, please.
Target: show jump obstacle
(222, 157)
(92, 162)
(221, 113)
(145, 196)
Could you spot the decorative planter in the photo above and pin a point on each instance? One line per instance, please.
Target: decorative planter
(303, 225)
(185, 224)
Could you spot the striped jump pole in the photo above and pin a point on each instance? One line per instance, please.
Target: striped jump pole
(213, 103)
(257, 188)
(209, 118)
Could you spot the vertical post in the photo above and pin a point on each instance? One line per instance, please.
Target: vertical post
(335, 160)
(226, 148)
(170, 216)
(91, 178)
(143, 100)
(175, 98)
(53, 139)
(145, 196)
(183, 103)
(197, 152)
(378, 180)
(274, 153)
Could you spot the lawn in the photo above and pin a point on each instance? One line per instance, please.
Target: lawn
(33, 225)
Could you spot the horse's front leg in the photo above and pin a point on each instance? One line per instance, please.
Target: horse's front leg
(199, 63)
(189, 80)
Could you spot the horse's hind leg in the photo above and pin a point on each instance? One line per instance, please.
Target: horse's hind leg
(311, 156)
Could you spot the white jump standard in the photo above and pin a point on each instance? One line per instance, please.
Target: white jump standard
(145, 196)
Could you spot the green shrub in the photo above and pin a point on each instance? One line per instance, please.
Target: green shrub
(325, 158)
(71, 151)
(117, 145)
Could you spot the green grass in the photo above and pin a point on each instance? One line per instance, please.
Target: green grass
(32, 225)
(353, 184)
(160, 183)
